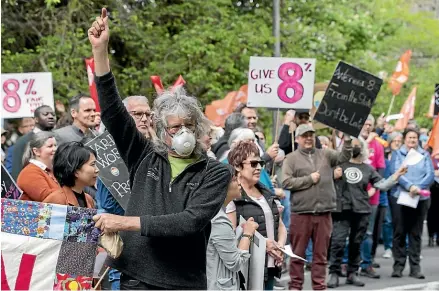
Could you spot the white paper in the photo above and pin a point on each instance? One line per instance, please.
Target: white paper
(407, 200)
(256, 266)
(412, 158)
(281, 82)
(394, 116)
(289, 252)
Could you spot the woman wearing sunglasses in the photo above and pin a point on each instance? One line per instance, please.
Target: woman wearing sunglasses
(258, 202)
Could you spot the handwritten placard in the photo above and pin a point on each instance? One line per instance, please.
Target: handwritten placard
(436, 100)
(281, 83)
(348, 99)
(25, 92)
(112, 170)
(10, 189)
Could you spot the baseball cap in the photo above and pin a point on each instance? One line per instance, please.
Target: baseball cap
(304, 128)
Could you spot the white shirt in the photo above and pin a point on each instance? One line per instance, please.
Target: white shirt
(39, 164)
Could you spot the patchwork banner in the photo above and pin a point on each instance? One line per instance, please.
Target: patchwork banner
(47, 246)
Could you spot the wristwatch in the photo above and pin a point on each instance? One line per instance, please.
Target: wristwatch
(250, 237)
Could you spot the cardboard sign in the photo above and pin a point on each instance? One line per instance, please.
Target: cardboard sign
(47, 246)
(112, 170)
(10, 189)
(281, 83)
(348, 99)
(25, 92)
(436, 100)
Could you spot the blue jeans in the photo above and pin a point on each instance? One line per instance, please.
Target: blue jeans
(308, 252)
(388, 230)
(366, 246)
(346, 252)
(114, 279)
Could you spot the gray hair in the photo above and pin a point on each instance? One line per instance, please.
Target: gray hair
(37, 141)
(177, 103)
(239, 134)
(364, 148)
(233, 121)
(371, 118)
(139, 99)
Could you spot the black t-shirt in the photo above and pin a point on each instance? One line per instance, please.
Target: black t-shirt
(81, 199)
(353, 186)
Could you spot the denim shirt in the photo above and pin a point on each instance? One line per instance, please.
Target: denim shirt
(420, 174)
(105, 201)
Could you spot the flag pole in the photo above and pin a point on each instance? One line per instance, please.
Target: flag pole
(391, 105)
(276, 138)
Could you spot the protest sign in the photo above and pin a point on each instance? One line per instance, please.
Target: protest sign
(47, 246)
(348, 99)
(281, 83)
(112, 170)
(10, 189)
(436, 100)
(25, 92)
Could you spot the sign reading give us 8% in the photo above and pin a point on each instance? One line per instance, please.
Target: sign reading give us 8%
(281, 82)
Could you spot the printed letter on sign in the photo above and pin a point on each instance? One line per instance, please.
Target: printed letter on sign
(24, 273)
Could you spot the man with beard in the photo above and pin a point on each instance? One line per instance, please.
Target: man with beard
(45, 120)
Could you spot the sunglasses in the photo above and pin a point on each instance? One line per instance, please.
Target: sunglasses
(254, 164)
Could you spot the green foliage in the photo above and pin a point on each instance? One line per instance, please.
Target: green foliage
(209, 42)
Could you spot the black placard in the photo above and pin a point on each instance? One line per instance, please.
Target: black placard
(112, 170)
(348, 99)
(10, 189)
(436, 100)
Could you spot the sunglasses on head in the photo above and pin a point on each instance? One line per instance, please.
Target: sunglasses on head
(254, 164)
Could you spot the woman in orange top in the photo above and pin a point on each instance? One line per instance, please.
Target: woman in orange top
(75, 168)
(36, 180)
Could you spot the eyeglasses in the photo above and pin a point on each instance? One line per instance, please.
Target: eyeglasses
(176, 128)
(303, 116)
(139, 115)
(254, 164)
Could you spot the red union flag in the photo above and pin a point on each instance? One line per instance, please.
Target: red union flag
(408, 110)
(90, 66)
(401, 74)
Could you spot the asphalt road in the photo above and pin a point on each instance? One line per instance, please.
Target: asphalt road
(429, 265)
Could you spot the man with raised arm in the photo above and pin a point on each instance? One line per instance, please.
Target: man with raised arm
(175, 189)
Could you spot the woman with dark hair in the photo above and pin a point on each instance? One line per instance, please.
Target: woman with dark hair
(36, 180)
(75, 168)
(260, 203)
(407, 220)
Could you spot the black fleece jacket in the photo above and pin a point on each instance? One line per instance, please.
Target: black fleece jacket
(170, 250)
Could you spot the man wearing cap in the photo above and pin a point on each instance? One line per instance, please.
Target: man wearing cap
(308, 174)
(291, 121)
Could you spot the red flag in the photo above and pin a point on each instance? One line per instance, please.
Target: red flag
(408, 110)
(433, 142)
(90, 66)
(401, 74)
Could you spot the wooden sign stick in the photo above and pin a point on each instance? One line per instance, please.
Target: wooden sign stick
(276, 138)
(101, 278)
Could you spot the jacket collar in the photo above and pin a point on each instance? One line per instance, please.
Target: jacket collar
(71, 198)
(264, 191)
(405, 151)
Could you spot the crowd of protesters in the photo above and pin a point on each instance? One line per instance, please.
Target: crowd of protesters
(332, 198)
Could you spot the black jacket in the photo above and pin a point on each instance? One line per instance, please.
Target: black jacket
(170, 250)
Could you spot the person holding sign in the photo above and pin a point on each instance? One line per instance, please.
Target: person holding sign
(308, 174)
(409, 221)
(351, 218)
(175, 188)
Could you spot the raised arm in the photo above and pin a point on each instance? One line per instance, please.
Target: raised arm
(129, 141)
(336, 158)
